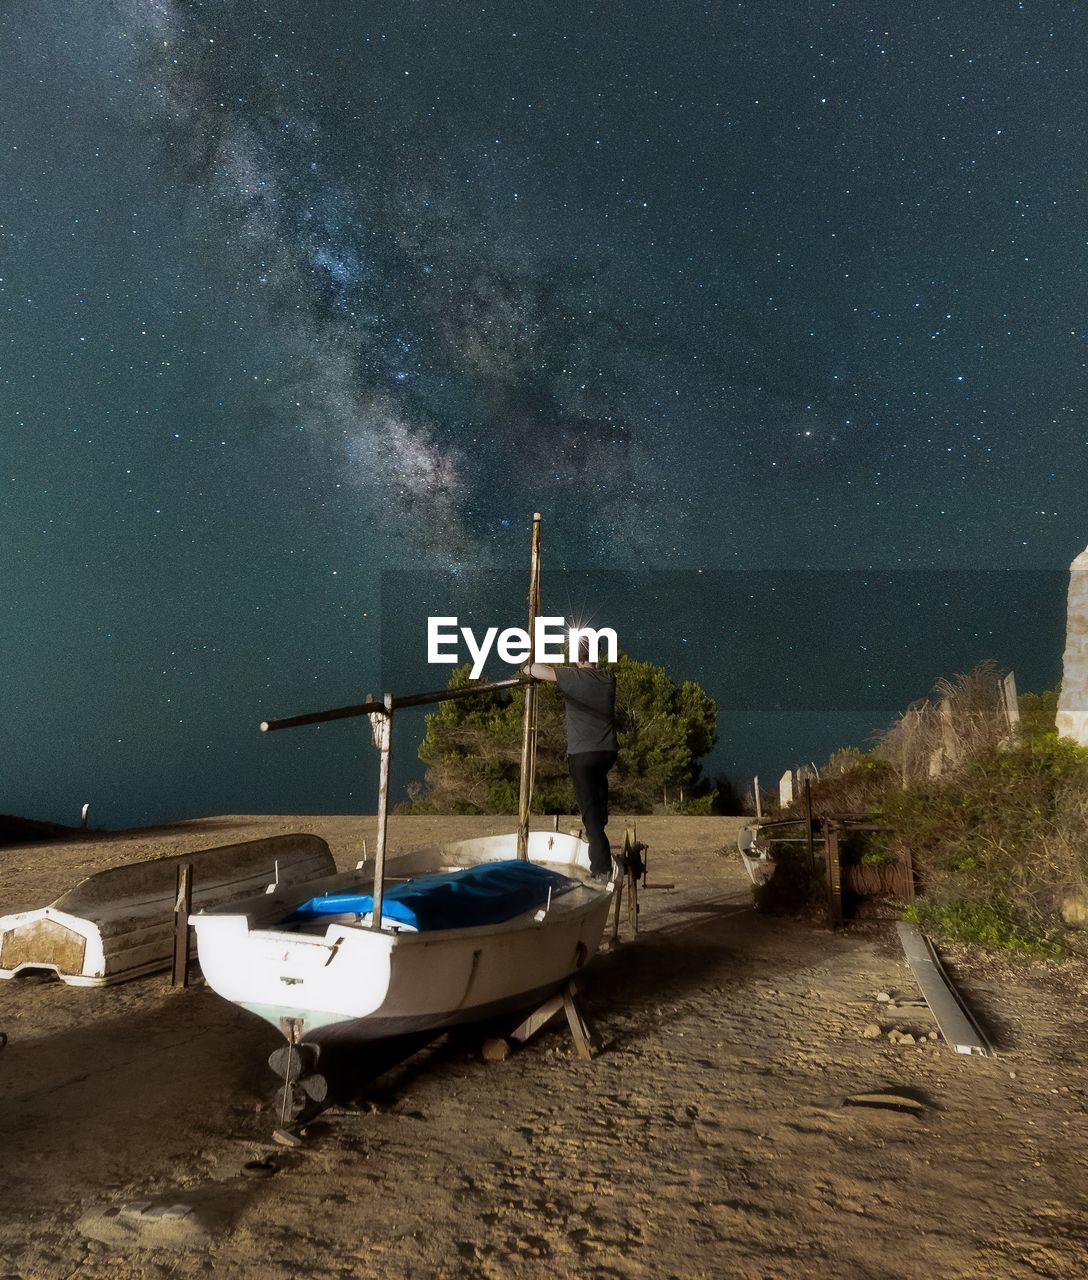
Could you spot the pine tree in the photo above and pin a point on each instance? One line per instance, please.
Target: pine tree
(472, 747)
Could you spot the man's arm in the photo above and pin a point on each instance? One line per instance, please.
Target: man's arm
(539, 671)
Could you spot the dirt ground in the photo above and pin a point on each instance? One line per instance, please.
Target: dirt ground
(708, 1138)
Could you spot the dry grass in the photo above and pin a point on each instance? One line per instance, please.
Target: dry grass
(995, 824)
(962, 719)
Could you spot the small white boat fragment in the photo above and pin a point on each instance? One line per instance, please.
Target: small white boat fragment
(119, 924)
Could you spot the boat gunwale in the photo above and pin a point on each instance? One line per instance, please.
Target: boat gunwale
(568, 906)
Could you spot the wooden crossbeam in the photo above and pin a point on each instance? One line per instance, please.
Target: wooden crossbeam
(562, 1002)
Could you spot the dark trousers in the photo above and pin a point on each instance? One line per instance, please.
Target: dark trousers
(589, 773)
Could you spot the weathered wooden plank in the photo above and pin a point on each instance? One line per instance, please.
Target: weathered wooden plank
(538, 1019)
(583, 1041)
(45, 942)
(954, 1019)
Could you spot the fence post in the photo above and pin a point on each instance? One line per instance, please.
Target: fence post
(1012, 707)
(183, 905)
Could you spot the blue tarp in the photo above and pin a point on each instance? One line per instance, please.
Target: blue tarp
(487, 894)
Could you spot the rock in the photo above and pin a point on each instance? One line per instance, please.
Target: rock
(932, 1035)
(893, 1036)
(871, 1032)
(906, 1038)
(166, 1225)
(496, 1050)
(172, 1211)
(882, 997)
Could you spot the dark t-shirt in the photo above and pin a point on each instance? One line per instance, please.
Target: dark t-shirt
(589, 699)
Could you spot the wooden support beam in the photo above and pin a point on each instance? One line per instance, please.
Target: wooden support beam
(618, 892)
(538, 1019)
(583, 1039)
(183, 906)
(833, 866)
(563, 1002)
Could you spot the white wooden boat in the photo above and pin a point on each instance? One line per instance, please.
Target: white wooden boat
(119, 923)
(367, 972)
(341, 978)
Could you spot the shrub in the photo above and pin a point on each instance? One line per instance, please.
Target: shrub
(1000, 843)
(996, 828)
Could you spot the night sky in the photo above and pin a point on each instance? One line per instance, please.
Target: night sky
(775, 310)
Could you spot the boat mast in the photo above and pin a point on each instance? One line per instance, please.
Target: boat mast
(528, 726)
(385, 745)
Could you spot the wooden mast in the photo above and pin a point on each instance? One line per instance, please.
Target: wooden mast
(528, 726)
(385, 745)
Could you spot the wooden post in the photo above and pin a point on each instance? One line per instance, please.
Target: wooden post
(808, 825)
(1007, 689)
(953, 748)
(583, 1040)
(183, 905)
(618, 893)
(383, 810)
(528, 724)
(759, 802)
(832, 831)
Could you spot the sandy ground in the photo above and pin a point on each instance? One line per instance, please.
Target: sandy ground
(709, 1138)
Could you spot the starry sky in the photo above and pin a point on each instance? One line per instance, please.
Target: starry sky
(775, 310)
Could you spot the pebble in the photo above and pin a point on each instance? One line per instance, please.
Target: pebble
(906, 1038)
(871, 1032)
(882, 997)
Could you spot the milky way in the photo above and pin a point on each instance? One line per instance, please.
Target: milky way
(298, 299)
(424, 350)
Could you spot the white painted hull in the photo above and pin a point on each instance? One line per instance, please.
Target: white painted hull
(351, 982)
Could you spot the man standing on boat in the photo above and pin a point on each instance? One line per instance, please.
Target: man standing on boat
(589, 700)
